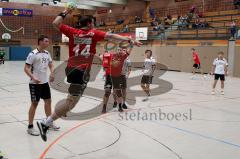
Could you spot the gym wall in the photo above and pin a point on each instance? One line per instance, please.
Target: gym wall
(176, 58)
(179, 58)
(39, 23)
(237, 62)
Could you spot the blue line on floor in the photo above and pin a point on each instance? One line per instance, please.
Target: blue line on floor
(198, 134)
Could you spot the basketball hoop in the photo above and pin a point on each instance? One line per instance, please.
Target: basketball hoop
(6, 37)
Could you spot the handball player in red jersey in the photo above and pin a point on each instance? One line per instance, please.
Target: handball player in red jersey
(82, 48)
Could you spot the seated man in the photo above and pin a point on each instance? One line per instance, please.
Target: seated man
(2, 54)
(236, 4)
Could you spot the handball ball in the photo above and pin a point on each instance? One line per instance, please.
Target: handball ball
(71, 5)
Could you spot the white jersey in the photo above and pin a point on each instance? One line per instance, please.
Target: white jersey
(148, 66)
(126, 65)
(220, 66)
(40, 62)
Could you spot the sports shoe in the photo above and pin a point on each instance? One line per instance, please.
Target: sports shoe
(114, 104)
(213, 92)
(193, 77)
(1, 155)
(120, 109)
(33, 132)
(124, 106)
(104, 109)
(222, 92)
(54, 127)
(145, 99)
(43, 130)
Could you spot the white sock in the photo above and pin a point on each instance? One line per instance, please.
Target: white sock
(49, 121)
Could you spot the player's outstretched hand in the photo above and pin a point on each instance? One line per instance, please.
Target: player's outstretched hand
(136, 42)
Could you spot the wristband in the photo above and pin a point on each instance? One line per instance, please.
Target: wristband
(63, 15)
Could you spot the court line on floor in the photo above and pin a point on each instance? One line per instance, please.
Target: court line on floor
(219, 121)
(148, 107)
(100, 149)
(69, 131)
(147, 135)
(198, 134)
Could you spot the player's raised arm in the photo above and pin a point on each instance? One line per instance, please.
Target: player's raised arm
(59, 19)
(110, 36)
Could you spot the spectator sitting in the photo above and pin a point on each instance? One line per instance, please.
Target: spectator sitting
(157, 19)
(193, 9)
(200, 14)
(169, 17)
(157, 28)
(196, 24)
(236, 4)
(102, 23)
(151, 12)
(138, 19)
(110, 30)
(205, 24)
(120, 21)
(233, 29)
(153, 22)
(125, 29)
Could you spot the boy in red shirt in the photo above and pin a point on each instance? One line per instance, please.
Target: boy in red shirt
(197, 63)
(108, 81)
(115, 78)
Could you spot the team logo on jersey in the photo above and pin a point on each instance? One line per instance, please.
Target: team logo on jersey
(82, 40)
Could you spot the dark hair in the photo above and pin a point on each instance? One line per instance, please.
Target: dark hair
(85, 20)
(221, 52)
(149, 51)
(41, 38)
(193, 49)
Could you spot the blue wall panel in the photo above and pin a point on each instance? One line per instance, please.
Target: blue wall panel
(19, 53)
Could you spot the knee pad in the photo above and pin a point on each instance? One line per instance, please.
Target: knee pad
(107, 92)
(119, 93)
(77, 89)
(66, 105)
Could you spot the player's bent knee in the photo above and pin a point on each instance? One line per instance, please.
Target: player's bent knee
(119, 93)
(107, 93)
(77, 89)
(63, 108)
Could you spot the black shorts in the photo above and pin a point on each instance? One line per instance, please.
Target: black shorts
(77, 76)
(108, 82)
(217, 76)
(39, 91)
(78, 80)
(119, 82)
(146, 79)
(197, 66)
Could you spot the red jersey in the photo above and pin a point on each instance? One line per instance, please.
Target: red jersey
(116, 64)
(196, 58)
(82, 45)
